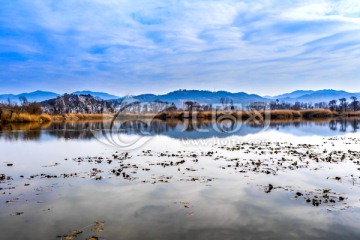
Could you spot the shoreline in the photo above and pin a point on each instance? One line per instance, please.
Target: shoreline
(289, 115)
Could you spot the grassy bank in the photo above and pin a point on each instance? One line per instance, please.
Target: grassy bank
(7, 117)
(352, 114)
(239, 115)
(81, 117)
(30, 126)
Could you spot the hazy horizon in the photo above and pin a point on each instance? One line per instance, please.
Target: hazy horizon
(162, 93)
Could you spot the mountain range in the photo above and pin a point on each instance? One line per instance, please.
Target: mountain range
(201, 96)
(37, 96)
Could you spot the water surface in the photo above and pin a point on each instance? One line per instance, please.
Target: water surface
(185, 181)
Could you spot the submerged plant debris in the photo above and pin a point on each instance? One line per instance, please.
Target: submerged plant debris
(94, 228)
(246, 160)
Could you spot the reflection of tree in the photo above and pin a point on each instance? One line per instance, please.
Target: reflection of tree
(297, 124)
(158, 126)
(354, 123)
(343, 125)
(73, 130)
(91, 129)
(24, 131)
(278, 124)
(333, 125)
(227, 125)
(155, 126)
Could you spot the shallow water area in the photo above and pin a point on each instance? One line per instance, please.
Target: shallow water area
(286, 180)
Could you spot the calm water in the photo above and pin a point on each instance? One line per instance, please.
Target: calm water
(180, 180)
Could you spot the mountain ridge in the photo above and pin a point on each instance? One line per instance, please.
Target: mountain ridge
(102, 95)
(201, 96)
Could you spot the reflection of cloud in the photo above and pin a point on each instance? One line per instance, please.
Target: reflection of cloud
(131, 212)
(229, 208)
(134, 133)
(117, 45)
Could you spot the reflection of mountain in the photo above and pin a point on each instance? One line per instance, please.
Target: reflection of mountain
(186, 129)
(73, 130)
(177, 129)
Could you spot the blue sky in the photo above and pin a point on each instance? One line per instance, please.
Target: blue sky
(140, 46)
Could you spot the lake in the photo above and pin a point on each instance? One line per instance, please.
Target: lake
(140, 179)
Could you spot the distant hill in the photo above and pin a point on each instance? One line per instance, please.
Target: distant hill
(102, 95)
(36, 96)
(294, 94)
(73, 103)
(316, 96)
(39, 96)
(200, 96)
(209, 97)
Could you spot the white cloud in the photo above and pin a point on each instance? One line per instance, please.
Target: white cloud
(344, 11)
(197, 43)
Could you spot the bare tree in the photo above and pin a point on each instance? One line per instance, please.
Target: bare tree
(226, 103)
(272, 105)
(354, 103)
(23, 101)
(332, 105)
(189, 105)
(296, 106)
(2, 107)
(10, 107)
(222, 101)
(232, 105)
(343, 104)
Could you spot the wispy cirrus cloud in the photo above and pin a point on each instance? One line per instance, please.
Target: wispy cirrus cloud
(124, 46)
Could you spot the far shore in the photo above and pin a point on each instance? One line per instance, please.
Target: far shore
(208, 115)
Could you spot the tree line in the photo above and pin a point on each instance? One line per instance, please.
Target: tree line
(340, 105)
(25, 106)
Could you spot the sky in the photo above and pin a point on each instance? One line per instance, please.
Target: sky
(123, 47)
